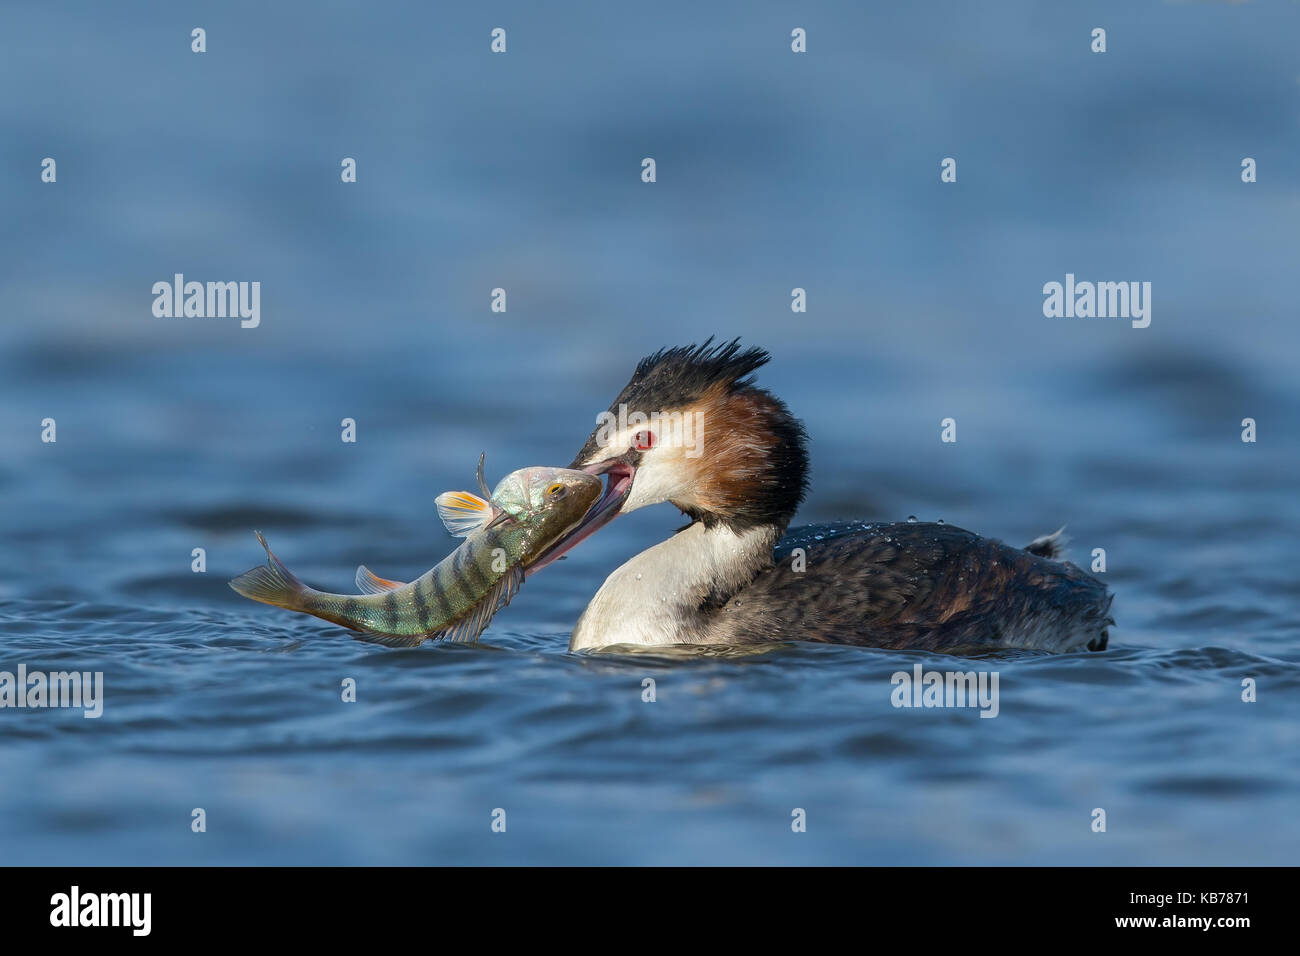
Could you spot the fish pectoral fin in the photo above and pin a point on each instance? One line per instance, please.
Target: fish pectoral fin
(463, 513)
(370, 583)
(471, 626)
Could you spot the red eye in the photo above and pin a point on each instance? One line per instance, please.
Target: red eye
(643, 441)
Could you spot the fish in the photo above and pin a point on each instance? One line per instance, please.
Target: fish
(504, 531)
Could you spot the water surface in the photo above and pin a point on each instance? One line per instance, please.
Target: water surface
(522, 172)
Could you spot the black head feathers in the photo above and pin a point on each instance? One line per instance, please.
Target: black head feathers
(674, 378)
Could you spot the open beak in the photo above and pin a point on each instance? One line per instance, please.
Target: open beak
(619, 473)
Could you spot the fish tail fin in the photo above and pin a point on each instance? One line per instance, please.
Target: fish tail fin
(272, 583)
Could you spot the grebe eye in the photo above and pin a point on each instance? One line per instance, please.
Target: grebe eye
(556, 490)
(643, 441)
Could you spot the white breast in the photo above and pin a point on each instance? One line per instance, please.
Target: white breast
(651, 600)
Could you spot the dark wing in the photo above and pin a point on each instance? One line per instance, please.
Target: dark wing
(919, 585)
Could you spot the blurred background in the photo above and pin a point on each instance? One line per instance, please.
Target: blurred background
(523, 171)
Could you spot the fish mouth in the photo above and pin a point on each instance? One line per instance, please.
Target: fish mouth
(618, 474)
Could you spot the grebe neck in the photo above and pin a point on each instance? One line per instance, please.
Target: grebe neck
(666, 594)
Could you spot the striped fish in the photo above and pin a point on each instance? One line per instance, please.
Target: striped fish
(529, 511)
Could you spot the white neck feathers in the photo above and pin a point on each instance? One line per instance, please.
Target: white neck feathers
(655, 597)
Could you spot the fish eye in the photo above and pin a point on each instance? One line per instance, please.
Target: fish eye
(643, 440)
(556, 490)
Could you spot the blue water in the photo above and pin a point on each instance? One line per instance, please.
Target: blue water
(523, 171)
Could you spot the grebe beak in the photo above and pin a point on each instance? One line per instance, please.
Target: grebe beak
(620, 472)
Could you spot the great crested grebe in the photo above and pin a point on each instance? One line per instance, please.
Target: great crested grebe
(732, 458)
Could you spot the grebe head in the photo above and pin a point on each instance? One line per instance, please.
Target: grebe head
(691, 428)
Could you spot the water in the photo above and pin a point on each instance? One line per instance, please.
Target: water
(522, 172)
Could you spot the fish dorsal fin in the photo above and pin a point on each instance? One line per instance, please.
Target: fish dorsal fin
(472, 625)
(463, 513)
(370, 583)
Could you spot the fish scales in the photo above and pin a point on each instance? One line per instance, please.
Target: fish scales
(529, 511)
